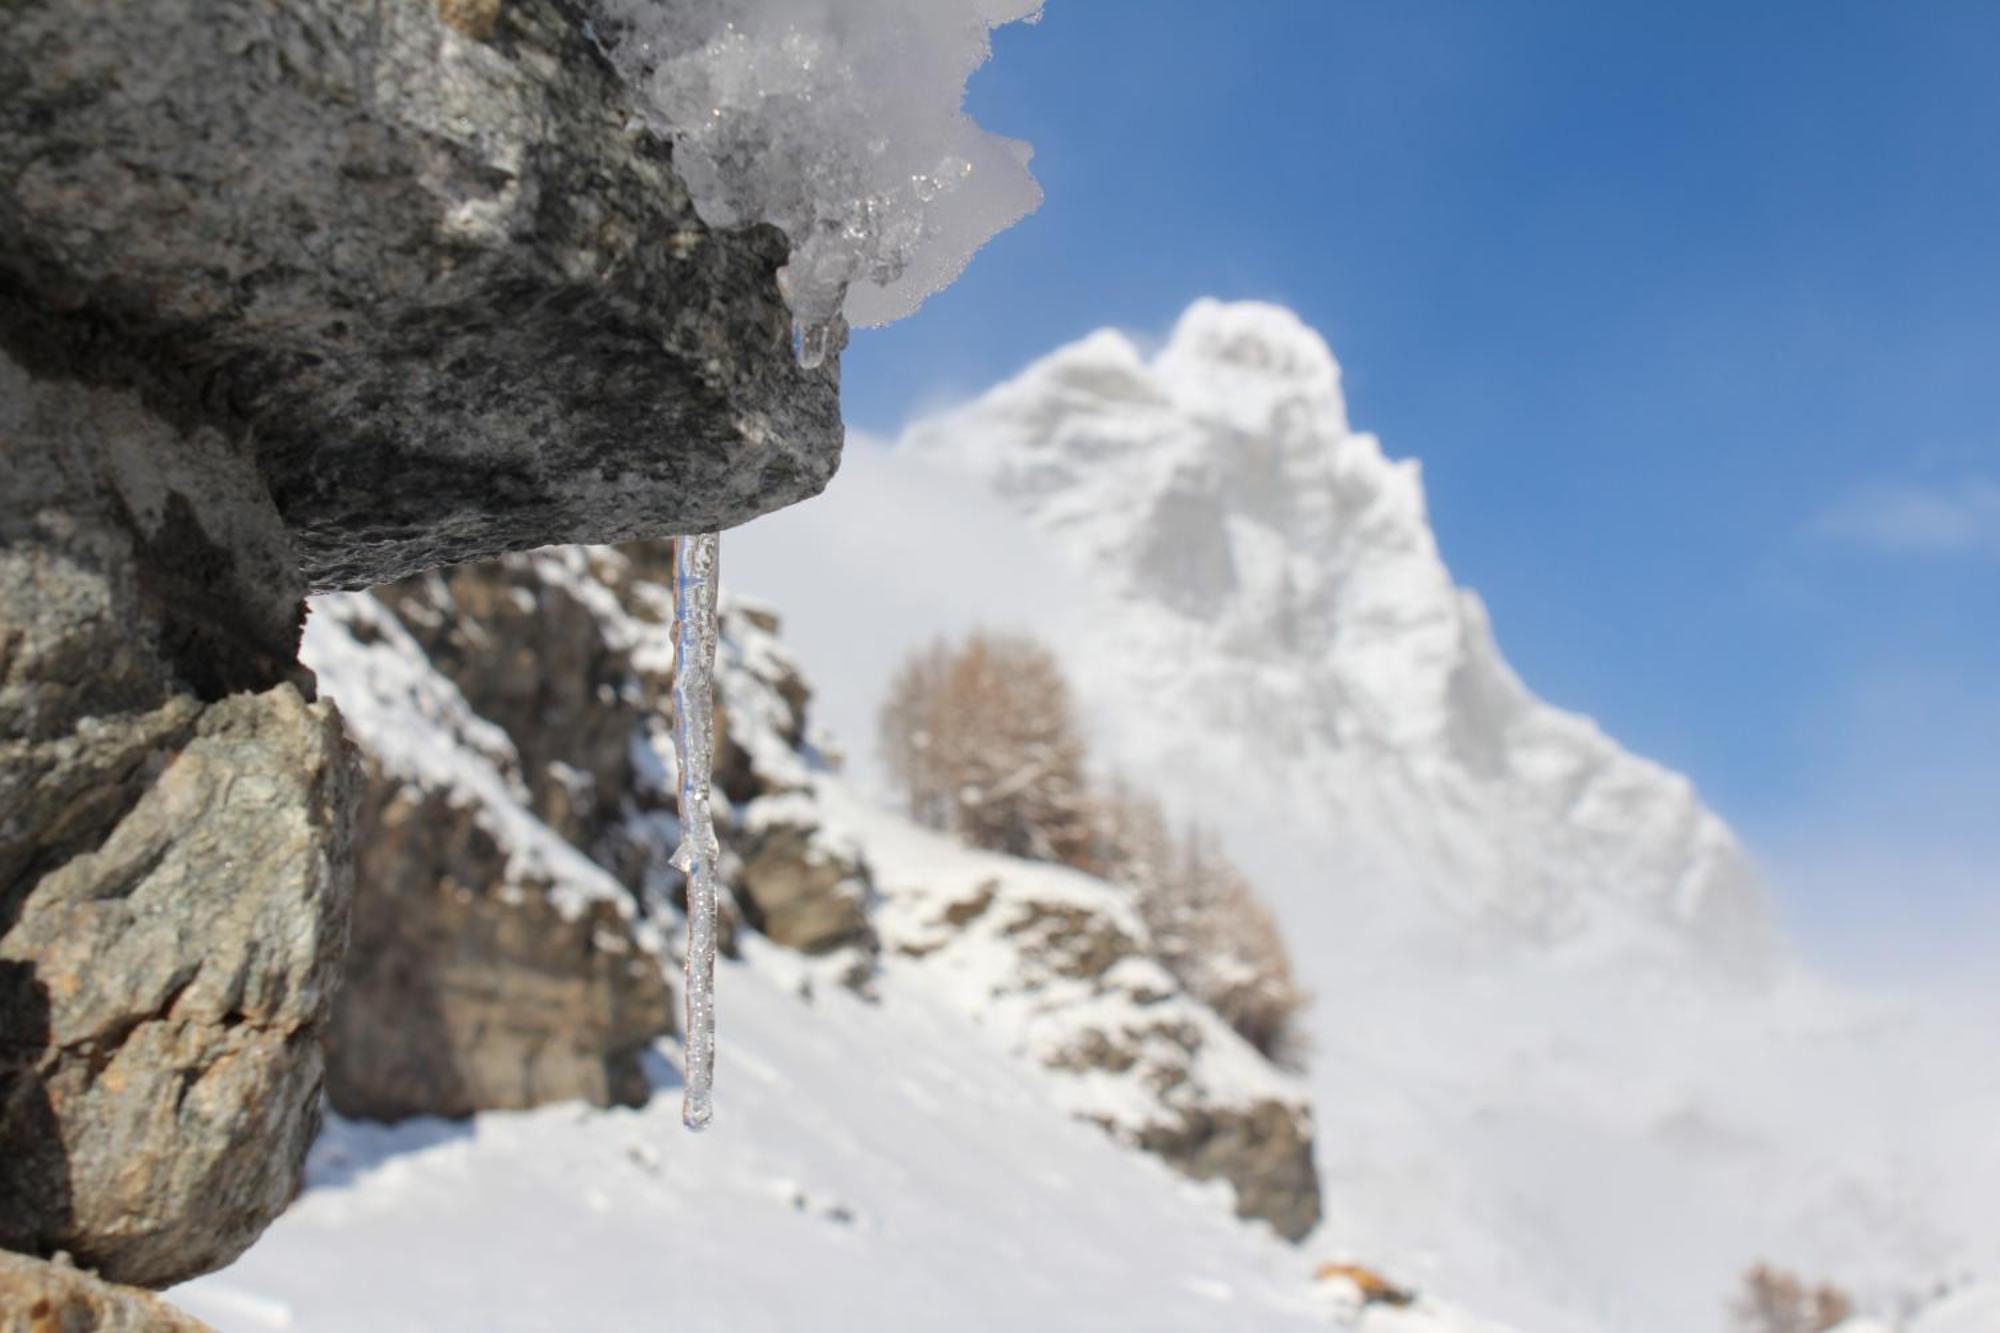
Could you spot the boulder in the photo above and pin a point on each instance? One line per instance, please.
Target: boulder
(37, 1296)
(422, 259)
(1263, 1149)
(174, 852)
(294, 297)
(797, 885)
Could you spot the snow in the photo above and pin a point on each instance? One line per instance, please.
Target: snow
(415, 723)
(882, 1167)
(1561, 1066)
(696, 576)
(841, 122)
(1270, 569)
(989, 969)
(1976, 1310)
(911, 1161)
(1579, 1087)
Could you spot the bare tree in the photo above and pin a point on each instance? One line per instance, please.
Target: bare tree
(908, 729)
(1776, 1301)
(1208, 926)
(982, 740)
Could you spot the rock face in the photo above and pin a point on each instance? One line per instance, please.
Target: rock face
(1058, 962)
(494, 964)
(1264, 1151)
(422, 256)
(173, 842)
(301, 297)
(518, 822)
(41, 1297)
(472, 989)
(799, 888)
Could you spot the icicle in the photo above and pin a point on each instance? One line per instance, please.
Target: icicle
(809, 343)
(695, 561)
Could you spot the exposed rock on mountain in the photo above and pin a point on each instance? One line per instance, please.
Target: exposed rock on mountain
(1056, 963)
(515, 834)
(802, 888)
(494, 963)
(514, 846)
(470, 987)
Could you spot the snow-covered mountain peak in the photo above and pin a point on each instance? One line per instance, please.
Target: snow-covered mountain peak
(1559, 1065)
(1280, 625)
(1246, 363)
(1218, 477)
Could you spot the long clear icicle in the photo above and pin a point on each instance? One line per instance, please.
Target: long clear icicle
(695, 567)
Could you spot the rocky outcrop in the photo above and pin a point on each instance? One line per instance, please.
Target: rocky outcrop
(173, 842)
(37, 1296)
(494, 964)
(515, 836)
(300, 297)
(1264, 1150)
(423, 259)
(473, 989)
(1059, 964)
(796, 885)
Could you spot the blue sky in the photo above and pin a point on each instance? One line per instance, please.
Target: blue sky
(1692, 312)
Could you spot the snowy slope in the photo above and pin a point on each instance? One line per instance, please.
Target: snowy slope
(1561, 1072)
(935, 1157)
(1562, 1068)
(1976, 1310)
(878, 1166)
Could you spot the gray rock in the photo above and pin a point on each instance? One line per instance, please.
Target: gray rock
(471, 988)
(483, 974)
(470, 985)
(1264, 1150)
(422, 258)
(298, 296)
(1103, 1010)
(37, 1296)
(532, 658)
(173, 842)
(185, 966)
(802, 889)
